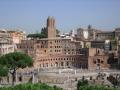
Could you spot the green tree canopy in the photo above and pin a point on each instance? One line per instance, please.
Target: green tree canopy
(3, 71)
(57, 31)
(43, 34)
(13, 61)
(16, 60)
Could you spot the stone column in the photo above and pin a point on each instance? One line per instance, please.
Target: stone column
(75, 72)
(59, 64)
(59, 71)
(55, 65)
(48, 65)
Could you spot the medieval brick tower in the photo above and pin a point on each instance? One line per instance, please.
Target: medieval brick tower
(51, 27)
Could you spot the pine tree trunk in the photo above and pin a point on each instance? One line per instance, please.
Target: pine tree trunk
(13, 76)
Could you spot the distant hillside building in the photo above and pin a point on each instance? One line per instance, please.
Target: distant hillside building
(17, 35)
(6, 45)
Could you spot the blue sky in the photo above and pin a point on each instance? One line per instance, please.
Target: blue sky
(31, 15)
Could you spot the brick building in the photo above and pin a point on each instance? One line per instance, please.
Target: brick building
(62, 52)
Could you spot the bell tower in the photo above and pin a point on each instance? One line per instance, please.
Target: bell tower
(51, 27)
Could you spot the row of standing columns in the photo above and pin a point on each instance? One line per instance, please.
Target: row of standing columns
(62, 65)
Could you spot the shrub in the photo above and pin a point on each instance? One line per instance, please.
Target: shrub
(30, 86)
(87, 87)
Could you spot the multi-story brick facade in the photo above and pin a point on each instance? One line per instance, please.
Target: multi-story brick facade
(62, 52)
(49, 52)
(57, 51)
